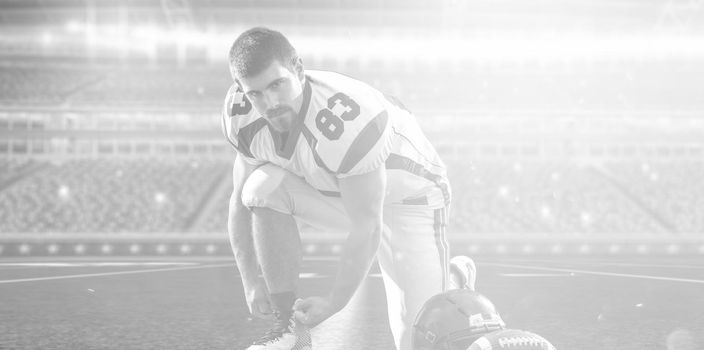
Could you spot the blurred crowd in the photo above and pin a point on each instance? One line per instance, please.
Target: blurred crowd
(107, 195)
(539, 198)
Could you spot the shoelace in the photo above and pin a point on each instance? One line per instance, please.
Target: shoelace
(280, 327)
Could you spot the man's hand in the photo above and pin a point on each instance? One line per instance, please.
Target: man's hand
(311, 311)
(258, 301)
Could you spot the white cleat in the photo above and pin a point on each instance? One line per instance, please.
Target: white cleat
(463, 273)
(284, 335)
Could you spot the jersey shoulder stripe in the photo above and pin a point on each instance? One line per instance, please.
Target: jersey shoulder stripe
(364, 142)
(246, 135)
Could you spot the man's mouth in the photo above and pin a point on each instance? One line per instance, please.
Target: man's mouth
(277, 113)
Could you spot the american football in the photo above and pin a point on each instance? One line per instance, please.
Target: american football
(511, 339)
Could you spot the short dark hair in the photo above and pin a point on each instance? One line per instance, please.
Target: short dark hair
(255, 49)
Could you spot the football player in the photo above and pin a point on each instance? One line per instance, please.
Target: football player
(329, 151)
(463, 319)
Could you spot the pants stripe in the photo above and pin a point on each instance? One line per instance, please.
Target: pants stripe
(441, 244)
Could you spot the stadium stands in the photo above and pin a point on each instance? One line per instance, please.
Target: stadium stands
(672, 190)
(109, 196)
(535, 198)
(156, 88)
(530, 195)
(38, 86)
(543, 198)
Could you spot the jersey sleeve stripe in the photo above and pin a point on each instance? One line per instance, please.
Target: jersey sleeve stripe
(246, 135)
(364, 142)
(399, 162)
(224, 131)
(330, 193)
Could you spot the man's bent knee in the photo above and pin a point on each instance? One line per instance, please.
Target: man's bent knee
(263, 189)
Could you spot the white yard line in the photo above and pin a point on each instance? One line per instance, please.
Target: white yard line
(537, 274)
(98, 264)
(606, 263)
(35, 279)
(597, 273)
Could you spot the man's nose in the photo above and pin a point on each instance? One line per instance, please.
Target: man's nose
(271, 99)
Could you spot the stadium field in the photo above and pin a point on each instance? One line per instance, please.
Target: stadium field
(591, 302)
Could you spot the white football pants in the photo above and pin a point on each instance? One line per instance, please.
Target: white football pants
(413, 255)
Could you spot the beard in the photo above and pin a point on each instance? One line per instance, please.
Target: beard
(281, 118)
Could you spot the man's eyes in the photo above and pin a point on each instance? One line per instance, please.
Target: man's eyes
(276, 84)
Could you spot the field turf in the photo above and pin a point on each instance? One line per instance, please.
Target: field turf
(578, 303)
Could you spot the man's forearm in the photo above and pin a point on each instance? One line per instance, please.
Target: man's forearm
(357, 257)
(239, 226)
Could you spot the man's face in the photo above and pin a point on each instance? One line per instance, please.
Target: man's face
(276, 93)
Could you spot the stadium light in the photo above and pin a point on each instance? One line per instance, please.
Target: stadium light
(585, 249)
(556, 249)
(311, 248)
(74, 26)
(135, 248)
(24, 248)
(146, 32)
(545, 211)
(505, 47)
(614, 248)
(517, 167)
(159, 197)
(162, 249)
(79, 249)
(106, 248)
(64, 192)
(586, 218)
(47, 38)
(490, 48)
(52, 249)
(673, 249)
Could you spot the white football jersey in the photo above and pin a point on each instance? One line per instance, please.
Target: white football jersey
(345, 127)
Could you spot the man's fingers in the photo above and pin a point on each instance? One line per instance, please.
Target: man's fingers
(300, 316)
(301, 304)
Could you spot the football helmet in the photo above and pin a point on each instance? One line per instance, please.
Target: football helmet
(453, 320)
(513, 339)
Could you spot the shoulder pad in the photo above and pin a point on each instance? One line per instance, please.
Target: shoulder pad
(238, 115)
(236, 103)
